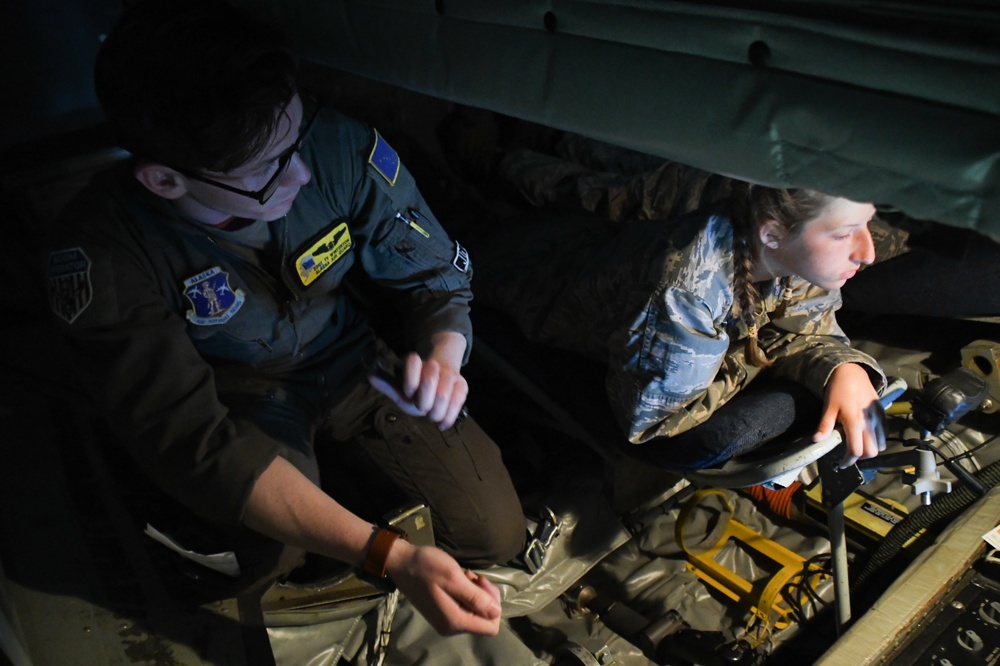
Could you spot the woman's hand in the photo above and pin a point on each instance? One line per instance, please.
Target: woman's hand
(851, 402)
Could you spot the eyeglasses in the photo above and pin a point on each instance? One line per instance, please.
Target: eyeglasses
(284, 159)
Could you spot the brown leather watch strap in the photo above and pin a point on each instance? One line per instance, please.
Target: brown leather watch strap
(378, 549)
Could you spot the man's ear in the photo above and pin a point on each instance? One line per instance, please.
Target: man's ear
(161, 181)
(772, 233)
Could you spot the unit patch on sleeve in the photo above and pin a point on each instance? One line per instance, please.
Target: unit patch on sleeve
(461, 260)
(384, 159)
(212, 298)
(70, 289)
(331, 247)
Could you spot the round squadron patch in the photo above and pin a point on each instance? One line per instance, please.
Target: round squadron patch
(212, 299)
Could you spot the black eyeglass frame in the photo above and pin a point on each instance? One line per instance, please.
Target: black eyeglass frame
(262, 195)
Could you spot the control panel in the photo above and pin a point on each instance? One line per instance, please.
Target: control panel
(963, 631)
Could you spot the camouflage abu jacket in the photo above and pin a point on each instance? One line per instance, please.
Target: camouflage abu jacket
(679, 357)
(654, 300)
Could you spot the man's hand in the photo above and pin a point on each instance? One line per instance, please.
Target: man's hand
(286, 506)
(435, 387)
(453, 600)
(852, 402)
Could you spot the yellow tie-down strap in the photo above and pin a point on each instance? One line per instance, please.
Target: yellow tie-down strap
(763, 598)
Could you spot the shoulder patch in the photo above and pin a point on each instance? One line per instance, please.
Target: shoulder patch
(331, 247)
(384, 159)
(212, 300)
(461, 260)
(70, 289)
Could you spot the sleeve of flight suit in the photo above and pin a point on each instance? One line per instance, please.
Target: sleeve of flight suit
(138, 365)
(402, 246)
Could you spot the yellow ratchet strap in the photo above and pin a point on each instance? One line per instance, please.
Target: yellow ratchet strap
(762, 598)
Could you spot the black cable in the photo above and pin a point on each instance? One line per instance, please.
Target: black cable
(969, 454)
(956, 469)
(798, 586)
(942, 509)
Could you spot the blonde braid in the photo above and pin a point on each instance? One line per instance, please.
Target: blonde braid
(746, 296)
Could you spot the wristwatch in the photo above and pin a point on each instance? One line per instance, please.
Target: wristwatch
(378, 549)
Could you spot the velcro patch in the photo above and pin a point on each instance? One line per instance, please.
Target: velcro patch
(331, 247)
(70, 290)
(461, 260)
(384, 159)
(213, 300)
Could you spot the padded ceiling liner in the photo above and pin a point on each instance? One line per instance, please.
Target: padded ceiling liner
(896, 103)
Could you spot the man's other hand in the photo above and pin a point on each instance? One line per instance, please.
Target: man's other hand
(452, 599)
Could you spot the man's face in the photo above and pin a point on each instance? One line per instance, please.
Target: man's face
(829, 250)
(217, 204)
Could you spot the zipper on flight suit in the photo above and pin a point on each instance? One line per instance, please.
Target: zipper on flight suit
(284, 296)
(286, 278)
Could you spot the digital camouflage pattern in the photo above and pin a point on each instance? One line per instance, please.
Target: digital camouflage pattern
(612, 182)
(655, 302)
(652, 299)
(622, 185)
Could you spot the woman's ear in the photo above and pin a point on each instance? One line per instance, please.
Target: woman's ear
(161, 181)
(772, 233)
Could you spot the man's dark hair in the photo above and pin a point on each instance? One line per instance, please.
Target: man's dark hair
(194, 84)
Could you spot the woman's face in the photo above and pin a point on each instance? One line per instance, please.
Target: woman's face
(830, 249)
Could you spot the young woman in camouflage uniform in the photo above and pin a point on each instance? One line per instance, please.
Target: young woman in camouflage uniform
(687, 313)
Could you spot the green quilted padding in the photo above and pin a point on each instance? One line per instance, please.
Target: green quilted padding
(897, 105)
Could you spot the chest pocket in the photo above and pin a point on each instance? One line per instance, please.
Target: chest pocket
(422, 251)
(232, 317)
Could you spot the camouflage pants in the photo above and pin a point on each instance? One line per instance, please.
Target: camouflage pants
(621, 185)
(612, 182)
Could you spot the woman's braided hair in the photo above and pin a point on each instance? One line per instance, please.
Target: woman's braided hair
(750, 206)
